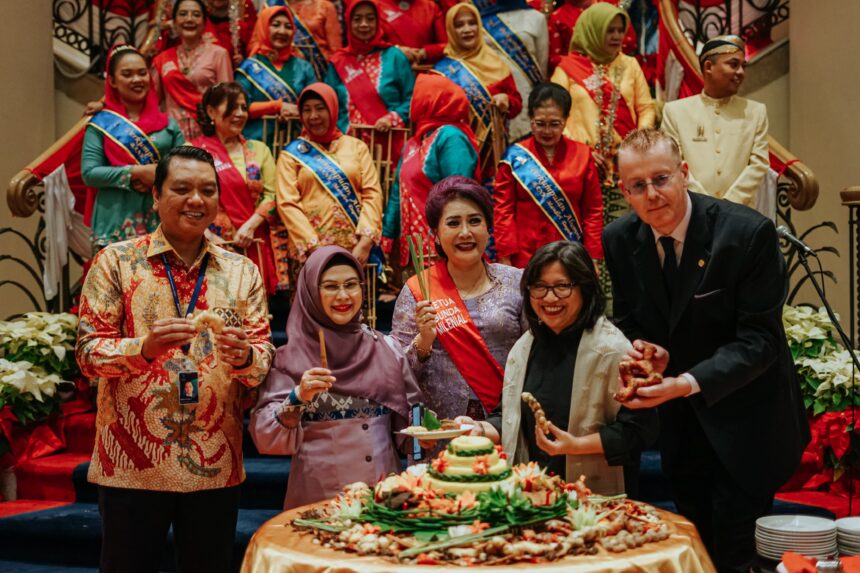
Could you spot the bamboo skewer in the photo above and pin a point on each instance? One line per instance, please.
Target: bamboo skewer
(323, 357)
(418, 265)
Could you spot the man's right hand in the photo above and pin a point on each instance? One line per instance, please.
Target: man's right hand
(660, 360)
(167, 333)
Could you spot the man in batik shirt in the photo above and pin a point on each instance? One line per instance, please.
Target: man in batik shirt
(161, 457)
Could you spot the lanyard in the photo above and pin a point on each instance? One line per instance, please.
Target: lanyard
(193, 303)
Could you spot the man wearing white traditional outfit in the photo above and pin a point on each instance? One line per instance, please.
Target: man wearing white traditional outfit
(723, 137)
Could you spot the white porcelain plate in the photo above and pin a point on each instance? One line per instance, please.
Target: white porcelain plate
(439, 434)
(795, 523)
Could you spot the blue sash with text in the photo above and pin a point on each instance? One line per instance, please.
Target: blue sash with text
(545, 191)
(127, 135)
(512, 46)
(309, 48)
(329, 174)
(267, 81)
(479, 97)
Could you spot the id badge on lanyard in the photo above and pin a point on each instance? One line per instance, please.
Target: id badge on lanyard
(189, 379)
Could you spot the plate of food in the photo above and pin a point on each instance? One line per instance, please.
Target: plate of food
(432, 428)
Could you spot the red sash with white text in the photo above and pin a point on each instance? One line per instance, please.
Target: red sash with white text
(460, 337)
(362, 93)
(398, 24)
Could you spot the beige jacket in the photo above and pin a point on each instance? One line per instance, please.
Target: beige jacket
(595, 380)
(724, 142)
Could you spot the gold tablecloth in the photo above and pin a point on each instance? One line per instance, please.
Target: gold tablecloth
(278, 548)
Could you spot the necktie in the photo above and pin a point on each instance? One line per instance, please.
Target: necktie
(670, 265)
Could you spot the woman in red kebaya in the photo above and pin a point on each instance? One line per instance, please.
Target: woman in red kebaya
(547, 187)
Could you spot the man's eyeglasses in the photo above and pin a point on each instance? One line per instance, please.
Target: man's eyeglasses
(560, 290)
(332, 289)
(659, 182)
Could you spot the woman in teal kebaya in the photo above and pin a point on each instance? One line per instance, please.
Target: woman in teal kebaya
(273, 76)
(122, 145)
(372, 78)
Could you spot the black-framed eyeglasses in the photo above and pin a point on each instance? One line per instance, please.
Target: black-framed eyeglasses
(560, 290)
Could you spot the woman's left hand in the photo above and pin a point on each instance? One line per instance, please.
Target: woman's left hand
(361, 250)
(502, 102)
(383, 124)
(564, 444)
(245, 235)
(233, 346)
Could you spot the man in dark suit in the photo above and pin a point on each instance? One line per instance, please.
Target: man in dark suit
(705, 281)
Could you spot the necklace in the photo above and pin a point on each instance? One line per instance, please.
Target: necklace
(605, 121)
(474, 287)
(187, 58)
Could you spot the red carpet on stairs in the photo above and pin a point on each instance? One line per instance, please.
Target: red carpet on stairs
(8, 508)
(49, 478)
(838, 504)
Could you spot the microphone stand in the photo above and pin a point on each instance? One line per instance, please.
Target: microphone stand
(846, 342)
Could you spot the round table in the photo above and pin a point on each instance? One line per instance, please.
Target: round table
(278, 548)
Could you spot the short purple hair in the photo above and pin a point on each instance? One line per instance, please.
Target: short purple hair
(456, 187)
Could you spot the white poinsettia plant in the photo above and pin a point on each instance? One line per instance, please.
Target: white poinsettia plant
(825, 367)
(27, 378)
(44, 339)
(38, 355)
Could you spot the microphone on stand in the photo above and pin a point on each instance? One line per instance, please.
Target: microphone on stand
(784, 233)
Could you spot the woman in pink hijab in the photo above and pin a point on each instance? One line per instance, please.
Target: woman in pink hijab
(337, 422)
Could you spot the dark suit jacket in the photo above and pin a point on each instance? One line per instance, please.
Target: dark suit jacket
(725, 328)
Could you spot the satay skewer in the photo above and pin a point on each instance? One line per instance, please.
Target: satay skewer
(323, 356)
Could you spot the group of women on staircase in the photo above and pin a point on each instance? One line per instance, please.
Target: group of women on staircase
(349, 170)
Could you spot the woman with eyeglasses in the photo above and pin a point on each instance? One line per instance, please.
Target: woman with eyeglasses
(328, 186)
(247, 213)
(336, 418)
(547, 187)
(568, 360)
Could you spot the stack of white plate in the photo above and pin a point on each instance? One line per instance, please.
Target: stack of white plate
(848, 534)
(809, 536)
